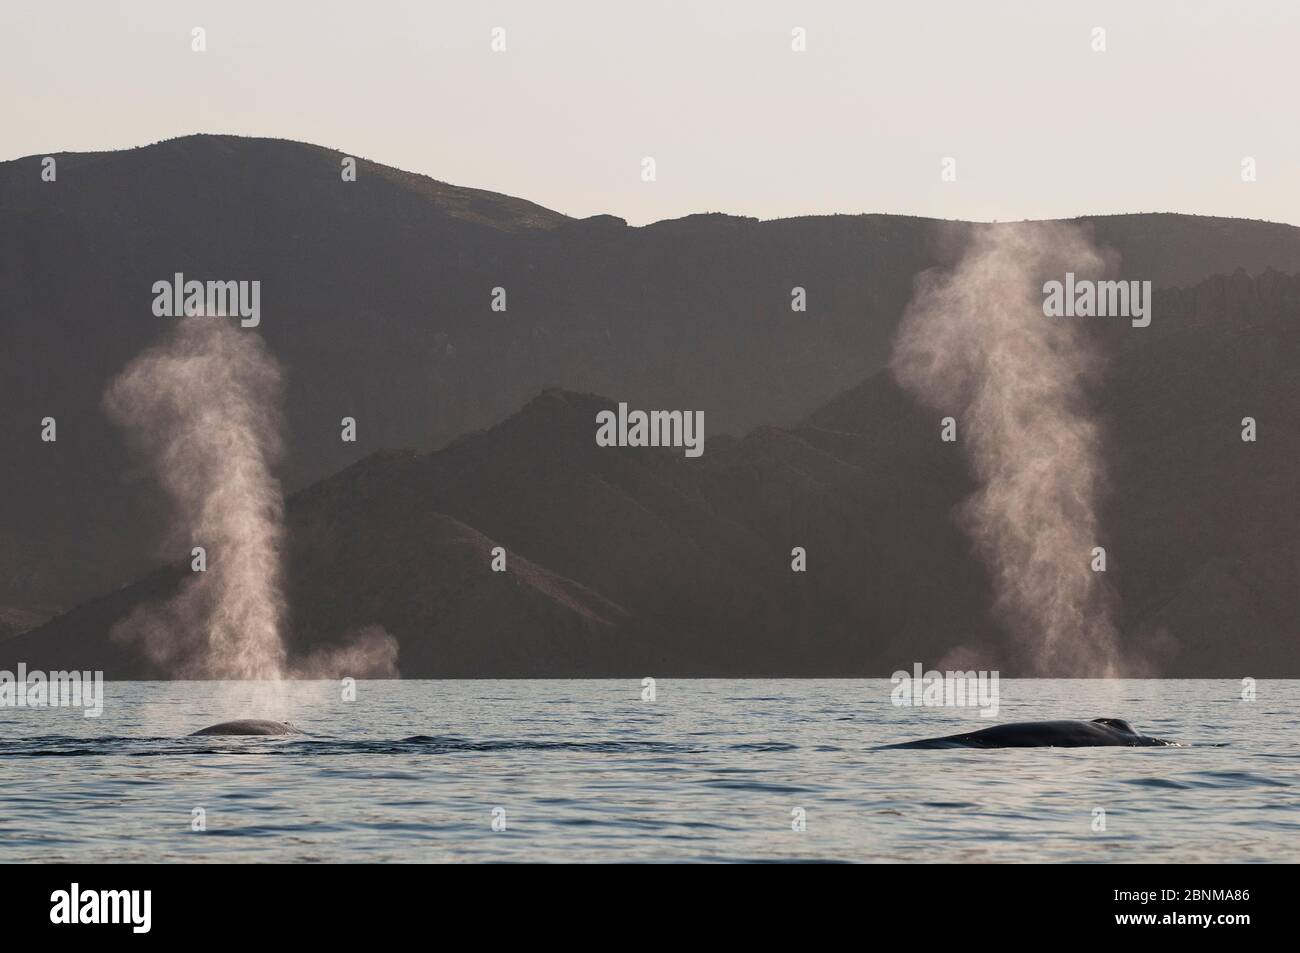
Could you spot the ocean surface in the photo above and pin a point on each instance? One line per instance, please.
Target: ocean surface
(585, 770)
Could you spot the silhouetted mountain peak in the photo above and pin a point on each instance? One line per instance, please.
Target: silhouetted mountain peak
(250, 163)
(378, 302)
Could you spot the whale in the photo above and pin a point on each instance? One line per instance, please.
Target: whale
(248, 726)
(1100, 732)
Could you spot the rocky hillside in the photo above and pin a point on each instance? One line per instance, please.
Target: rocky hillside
(376, 299)
(638, 561)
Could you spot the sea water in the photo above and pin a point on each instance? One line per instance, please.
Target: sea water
(590, 770)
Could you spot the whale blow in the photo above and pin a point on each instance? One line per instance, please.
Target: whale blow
(1108, 732)
(249, 726)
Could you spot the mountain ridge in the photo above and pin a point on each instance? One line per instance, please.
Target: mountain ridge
(642, 561)
(377, 303)
(548, 217)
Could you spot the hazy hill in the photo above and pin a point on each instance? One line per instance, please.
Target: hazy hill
(376, 300)
(633, 562)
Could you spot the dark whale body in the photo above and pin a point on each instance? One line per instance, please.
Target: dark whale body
(1110, 732)
(249, 726)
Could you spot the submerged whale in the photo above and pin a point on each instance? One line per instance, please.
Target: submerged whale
(249, 726)
(1111, 732)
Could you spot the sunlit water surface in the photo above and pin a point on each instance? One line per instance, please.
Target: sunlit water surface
(712, 770)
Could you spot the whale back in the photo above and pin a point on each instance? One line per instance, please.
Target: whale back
(249, 726)
(1100, 732)
(1119, 724)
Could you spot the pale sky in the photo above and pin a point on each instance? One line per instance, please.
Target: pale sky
(1041, 126)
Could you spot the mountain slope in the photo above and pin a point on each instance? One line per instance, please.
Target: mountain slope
(642, 561)
(376, 299)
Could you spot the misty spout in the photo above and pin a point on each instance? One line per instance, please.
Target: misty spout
(203, 410)
(976, 345)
